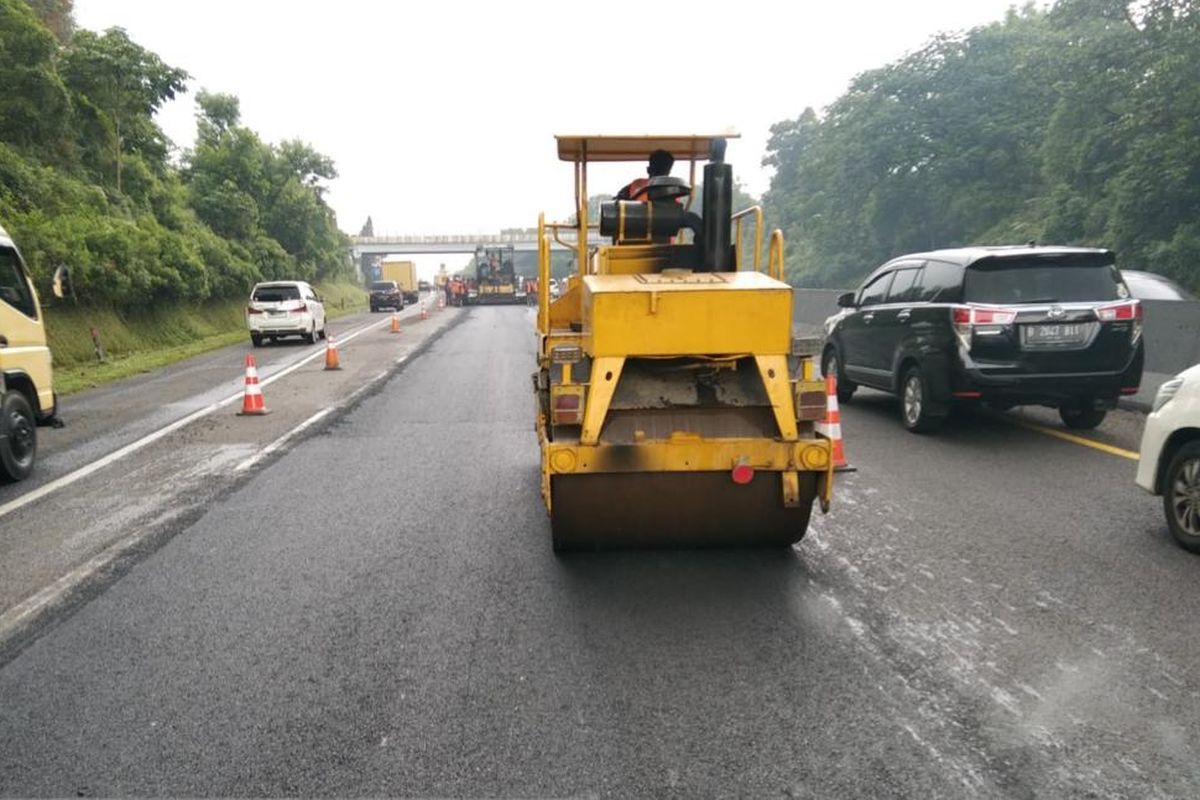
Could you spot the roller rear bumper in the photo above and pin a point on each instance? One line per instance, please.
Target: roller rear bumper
(795, 462)
(689, 454)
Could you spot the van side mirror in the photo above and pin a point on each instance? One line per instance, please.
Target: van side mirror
(846, 300)
(62, 283)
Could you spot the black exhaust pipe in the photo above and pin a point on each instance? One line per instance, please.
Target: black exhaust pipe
(717, 246)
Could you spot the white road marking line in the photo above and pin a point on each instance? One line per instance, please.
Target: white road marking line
(31, 606)
(313, 420)
(282, 440)
(28, 609)
(151, 438)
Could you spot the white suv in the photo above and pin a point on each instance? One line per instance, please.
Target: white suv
(284, 308)
(1170, 459)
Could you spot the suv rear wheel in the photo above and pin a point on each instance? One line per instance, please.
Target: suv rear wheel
(1181, 496)
(914, 402)
(19, 447)
(831, 365)
(1081, 416)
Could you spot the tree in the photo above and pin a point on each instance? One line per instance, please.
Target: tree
(124, 85)
(57, 15)
(269, 198)
(34, 105)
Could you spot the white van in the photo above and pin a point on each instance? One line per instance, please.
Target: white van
(284, 308)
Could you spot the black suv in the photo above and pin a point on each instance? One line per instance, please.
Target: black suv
(1004, 326)
(386, 294)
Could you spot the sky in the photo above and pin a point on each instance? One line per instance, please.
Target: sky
(440, 116)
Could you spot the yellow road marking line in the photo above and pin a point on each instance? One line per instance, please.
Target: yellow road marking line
(1070, 437)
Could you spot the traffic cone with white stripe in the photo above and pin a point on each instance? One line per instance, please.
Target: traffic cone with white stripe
(441, 301)
(331, 353)
(424, 313)
(831, 428)
(253, 404)
(395, 323)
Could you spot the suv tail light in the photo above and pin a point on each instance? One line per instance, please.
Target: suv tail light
(1129, 310)
(976, 315)
(993, 316)
(253, 310)
(301, 307)
(970, 321)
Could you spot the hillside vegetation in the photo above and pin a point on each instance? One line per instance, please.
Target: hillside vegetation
(88, 179)
(1078, 124)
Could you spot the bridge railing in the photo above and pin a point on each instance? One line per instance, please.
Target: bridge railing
(514, 237)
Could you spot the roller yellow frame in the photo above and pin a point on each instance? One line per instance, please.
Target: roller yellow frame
(602, 429)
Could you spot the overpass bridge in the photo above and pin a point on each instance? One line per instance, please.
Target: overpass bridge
(416, 244)
(366, 250)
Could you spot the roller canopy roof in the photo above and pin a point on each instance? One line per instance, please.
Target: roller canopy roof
(684, 147)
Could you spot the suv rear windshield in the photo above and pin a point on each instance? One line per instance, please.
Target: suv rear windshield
(276, 294)
(383, 286)
(1058, 279)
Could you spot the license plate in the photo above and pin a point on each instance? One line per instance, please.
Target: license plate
(1061, 333)
(276, 313)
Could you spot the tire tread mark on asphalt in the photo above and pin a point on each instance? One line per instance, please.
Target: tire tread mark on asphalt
(939, 667)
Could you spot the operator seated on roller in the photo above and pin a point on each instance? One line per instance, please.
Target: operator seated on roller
(660, 165)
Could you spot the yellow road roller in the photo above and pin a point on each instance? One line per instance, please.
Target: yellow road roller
(674, 407)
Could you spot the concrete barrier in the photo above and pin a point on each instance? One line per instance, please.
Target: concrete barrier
(1172, 334)
(1172, 331)
(811, 307)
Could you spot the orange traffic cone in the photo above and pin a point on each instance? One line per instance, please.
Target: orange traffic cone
(831, 428)
(331, 353)
(253, 404)
(441, 301)
(395, 323)
(424, 313)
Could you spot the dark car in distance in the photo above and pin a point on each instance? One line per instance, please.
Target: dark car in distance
(1003, 326)
(386, 294)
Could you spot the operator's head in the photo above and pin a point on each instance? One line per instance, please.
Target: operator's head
(660, 163)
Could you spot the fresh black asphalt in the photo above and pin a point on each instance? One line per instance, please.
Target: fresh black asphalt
(378, 612)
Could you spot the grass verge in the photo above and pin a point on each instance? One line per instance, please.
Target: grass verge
(142, 341)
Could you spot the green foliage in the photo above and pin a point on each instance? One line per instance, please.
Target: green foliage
(268, 198)
(57, 16)
(34, 104)
(86, 180)
(1079, 124)
(121, 85)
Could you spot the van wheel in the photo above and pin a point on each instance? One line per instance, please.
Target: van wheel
(1181, 496)
(256, 340)
(19, 447)
(832, 365)
(1082, 416)
(311, 336)
(914, 403)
